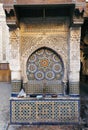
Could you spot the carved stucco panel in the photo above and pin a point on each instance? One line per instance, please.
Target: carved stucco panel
(5, 42)
(15, 50)
(56, 42)
(74, 49)
(74, 54)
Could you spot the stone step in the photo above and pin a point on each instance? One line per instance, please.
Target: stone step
(43, 127)
(84, 128)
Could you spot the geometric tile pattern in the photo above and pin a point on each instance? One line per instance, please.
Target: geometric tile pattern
(44, 64)
(16, 85)
(44, 111)
(74, 88)
(45, 72)
(38, 87)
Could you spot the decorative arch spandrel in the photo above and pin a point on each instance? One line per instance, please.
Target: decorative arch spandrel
(56, 42)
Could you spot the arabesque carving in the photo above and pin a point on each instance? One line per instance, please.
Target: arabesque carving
(14, 50)
(55, 40)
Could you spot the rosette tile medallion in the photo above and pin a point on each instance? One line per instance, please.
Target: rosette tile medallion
(44, 64)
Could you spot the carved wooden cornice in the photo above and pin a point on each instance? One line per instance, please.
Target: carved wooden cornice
(77, 13)
(79, 3)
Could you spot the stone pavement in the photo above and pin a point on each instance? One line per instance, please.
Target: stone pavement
(5, 92)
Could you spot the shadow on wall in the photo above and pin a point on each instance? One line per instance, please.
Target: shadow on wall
(83, 89)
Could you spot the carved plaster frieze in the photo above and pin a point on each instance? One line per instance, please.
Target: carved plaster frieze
(48, 25)
(27, 42)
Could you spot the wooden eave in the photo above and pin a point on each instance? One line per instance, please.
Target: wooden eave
(10, 3)
(19, 4)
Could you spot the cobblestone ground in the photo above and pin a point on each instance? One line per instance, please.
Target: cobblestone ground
(5, 91)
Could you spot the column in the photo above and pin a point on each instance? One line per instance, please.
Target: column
(4, 37)
(15, 60)
(74, 60)
(1, 57)
(2, 21)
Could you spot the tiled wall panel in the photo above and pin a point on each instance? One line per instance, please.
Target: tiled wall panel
(51, 111)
